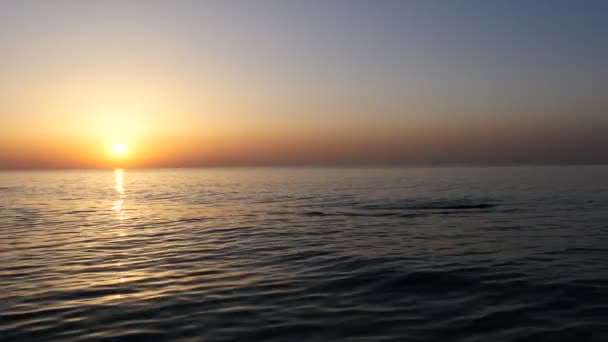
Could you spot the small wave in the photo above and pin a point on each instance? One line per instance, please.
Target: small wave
(85, 211)
(362, 214)
(455, 207)
(193, 219)
(403, 208)
(429, 281)
(430, 205)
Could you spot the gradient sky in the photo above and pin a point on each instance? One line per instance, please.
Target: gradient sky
(194, 83)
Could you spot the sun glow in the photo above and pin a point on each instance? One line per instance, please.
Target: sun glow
(119, 150)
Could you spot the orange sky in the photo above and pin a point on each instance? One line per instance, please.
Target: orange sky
(487, 143)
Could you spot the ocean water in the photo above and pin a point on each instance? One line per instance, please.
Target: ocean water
(305, 254)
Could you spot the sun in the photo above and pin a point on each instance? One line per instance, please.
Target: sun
(119, 150)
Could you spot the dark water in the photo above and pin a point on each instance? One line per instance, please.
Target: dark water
(440, 254)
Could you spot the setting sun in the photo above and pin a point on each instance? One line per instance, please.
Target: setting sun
(119, 150)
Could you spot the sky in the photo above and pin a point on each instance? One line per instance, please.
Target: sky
(334, 82)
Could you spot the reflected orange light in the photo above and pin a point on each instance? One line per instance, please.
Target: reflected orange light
(119, 177)
(118, 186)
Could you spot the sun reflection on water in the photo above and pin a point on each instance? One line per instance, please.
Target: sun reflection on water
(122, 276)
(119, 180)
(118, 204)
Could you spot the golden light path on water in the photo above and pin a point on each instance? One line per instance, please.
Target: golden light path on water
(120, 212)
(124, 261)
(118, 186)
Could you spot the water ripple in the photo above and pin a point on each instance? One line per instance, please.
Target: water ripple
(315, 254)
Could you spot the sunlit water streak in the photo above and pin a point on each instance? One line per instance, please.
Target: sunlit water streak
(475, 254)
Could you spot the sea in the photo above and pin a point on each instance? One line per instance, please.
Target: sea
(305, 254)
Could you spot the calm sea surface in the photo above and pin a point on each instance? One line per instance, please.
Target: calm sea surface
(307, 254)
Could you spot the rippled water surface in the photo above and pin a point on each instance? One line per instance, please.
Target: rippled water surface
(411, 254)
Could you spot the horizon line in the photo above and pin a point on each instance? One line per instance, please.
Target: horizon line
(336, 166)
